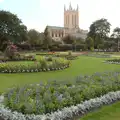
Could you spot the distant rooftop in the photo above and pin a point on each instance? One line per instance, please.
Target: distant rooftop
(55, 27)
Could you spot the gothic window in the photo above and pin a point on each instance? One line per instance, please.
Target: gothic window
(52, 34)
(56, 34)
(59, 33)
(75, 20)
(68, 19)
(62, 34)
(72, 20)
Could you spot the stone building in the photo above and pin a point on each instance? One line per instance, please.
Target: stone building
(71, 25)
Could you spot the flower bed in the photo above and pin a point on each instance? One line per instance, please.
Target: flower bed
(58, 100)
(67, 113)
(71, 57)
(98, 55)
(50, 97)
(20, 58)
(113, 61)
(36, 66)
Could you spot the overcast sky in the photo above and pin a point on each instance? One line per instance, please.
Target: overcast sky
(39, 13)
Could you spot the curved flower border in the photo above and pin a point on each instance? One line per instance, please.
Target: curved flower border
(111, 62)
(36, 70)
(64, 114)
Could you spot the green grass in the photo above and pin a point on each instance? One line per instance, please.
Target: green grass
(83, 65)
(111, 112)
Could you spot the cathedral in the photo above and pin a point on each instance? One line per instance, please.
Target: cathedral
(71, 26)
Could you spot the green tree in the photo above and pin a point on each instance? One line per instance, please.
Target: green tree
(68, 39)
(47, 39)
(90, 43)
(116, 37)
(35, 37)
(99, 30)
(11, 28)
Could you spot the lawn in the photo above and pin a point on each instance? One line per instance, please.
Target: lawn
(105, 113)
(83, 65)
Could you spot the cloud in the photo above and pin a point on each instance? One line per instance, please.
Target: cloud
(1, 1)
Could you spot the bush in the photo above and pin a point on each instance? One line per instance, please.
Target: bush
(69, 53)
(49, 58)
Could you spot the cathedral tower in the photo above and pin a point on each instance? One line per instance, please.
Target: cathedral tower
(71, 17)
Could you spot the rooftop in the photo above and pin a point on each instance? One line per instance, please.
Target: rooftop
(55, 27)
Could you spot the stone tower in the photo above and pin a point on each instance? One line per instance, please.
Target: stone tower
(71, 17)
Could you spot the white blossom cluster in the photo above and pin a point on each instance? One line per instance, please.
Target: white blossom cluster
(66, 113)
(33, 70)
(111, 62)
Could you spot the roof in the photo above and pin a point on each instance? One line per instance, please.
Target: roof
(55, 27)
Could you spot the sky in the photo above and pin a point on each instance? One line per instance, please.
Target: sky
(36, 14)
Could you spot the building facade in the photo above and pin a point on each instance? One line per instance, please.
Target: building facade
(71, 25)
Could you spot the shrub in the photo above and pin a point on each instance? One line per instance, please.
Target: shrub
(69, 53)
(49, 58)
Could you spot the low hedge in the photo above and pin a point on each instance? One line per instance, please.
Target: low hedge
(71, 57)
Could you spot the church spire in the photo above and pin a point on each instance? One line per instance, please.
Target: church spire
(77, 7)
(70, 7)
(64, 7)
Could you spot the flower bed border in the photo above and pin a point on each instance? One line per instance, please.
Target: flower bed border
(111, 62)
(66, 113)
(36, 70)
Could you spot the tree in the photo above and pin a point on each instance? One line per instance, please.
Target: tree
(11, 28)
(68, 39)
(99, 30)
(116, 36)
(47, 39)
(90, 43)
(35, 37)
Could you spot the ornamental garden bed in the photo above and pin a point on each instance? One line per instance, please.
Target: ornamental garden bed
(113, 61)
(42, 64)
(61, 100)
(98, 55)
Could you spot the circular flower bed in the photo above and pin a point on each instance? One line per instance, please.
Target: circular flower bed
(36, 66)
(98, 55)
(113, 61)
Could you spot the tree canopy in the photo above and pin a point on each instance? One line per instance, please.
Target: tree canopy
(69, 39)
(11, 28)
(47, 39)
(99, 30)
(35, 37)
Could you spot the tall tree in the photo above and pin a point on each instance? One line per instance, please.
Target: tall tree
(68, 39)
(35, 37)
(47, 39)
(99, 30)
(11, 28)
(90, 43)
(116, 37)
